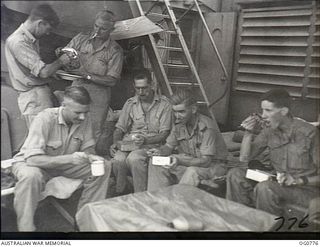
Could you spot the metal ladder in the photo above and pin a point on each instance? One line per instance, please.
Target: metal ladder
(161, 68)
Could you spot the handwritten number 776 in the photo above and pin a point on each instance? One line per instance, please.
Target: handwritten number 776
(294, 220)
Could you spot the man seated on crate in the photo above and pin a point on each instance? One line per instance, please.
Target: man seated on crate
(60, 143)
(144, 122)
(199, 144)
(294, 154)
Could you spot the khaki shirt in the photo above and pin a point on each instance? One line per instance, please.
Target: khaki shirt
(23, 59)
(158, 117)
(204, 140)
(296, 154)
(106, 60)
(50, 135)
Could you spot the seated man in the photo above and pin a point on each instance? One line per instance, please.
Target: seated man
(145, 119)
(199, 143)
(294, 154)
(60, 143)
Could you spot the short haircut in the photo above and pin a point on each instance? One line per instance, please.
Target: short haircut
(46, 13)
(78, 94)
(183, 96)
(105, 15)
(279, 97)
(142, 74)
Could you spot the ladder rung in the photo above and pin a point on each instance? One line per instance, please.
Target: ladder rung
(180, 66)
(201, 103)
(158, 14)
(170, 32)
(170, 48)
(184, 84)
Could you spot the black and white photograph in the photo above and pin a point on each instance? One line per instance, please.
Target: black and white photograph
(160, 119)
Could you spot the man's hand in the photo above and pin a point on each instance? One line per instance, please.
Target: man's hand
(93, 157)
(80, 158)
(64, 59)
(173, 164)
(58, 51)
(113, 149)
(138, 139)
(249, 123)
(286, 179)
(153, 152)
(182, 158)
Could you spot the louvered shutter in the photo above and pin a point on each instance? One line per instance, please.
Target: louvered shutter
(279, 47)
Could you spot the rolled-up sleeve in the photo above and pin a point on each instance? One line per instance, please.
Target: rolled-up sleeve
(166, 118)
(28, 57)
(75, 42)
(36, 141)
(88, 139)
(124, 119)
(207, 146)
(115, 64)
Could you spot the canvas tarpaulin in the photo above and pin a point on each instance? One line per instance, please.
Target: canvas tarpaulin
(153, 211)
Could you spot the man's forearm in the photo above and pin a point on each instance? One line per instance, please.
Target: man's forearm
(49, 69)
(159, 138)
(310, 180)
(245, 148)
(107, 81)
(165, 150)
(117, 135)
(46, 161)
(185, 160)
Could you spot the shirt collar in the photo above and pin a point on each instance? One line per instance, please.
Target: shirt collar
(156, 97)
(60, 116)
(197, 124)
(27, 33)
(105, 44)
(62, 121)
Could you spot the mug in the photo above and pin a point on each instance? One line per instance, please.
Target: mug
(97, 168)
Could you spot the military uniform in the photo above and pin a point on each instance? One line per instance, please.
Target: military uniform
(50, 135)
(204, 140)
(133, 119)
(105, 61)
(24, 64)
(296, 154)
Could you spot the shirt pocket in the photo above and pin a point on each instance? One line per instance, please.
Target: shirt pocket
(139, 123)
(154, 122)
(54, 147)
(300, 155)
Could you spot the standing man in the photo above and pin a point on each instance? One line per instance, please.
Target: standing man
(198, 141)
(294, 154)
(60, 143)
(100, 63)
(146, 118)
(28, 73)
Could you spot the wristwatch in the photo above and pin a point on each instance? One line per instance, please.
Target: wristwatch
(88, 77)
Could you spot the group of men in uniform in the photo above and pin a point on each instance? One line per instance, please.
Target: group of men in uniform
(61, 141)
